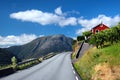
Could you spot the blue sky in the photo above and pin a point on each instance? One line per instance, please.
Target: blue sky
(24, 20)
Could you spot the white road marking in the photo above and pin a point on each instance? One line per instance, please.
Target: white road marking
(76, 78)
(73, 71)
(72, 67)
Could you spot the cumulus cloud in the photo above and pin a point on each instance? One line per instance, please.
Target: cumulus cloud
(58, 11)
(79, 31)
(64, 19)
(69, 21)
(44, 18)
(87, 24)
(16, 40)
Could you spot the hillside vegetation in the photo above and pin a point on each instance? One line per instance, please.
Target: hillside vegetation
(101, 62)
(5, 57)
(110, 36)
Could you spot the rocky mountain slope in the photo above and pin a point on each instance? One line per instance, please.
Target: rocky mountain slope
(42, 46)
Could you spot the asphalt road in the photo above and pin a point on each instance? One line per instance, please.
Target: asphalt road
(58, 67)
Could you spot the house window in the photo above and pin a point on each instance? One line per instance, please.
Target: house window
(97, 31)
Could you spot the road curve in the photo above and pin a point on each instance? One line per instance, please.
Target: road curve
(58, 67)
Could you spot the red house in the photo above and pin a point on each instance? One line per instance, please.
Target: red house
(99, 28)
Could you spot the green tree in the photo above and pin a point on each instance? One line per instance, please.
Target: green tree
(74, 42)
(80, 38)
(14, 62)
(87, 33)
(93, 39)
(110, 35)
(115, 30)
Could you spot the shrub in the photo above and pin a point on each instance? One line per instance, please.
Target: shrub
(14, 62)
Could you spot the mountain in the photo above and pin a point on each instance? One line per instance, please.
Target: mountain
(5, 56)
(42, 46)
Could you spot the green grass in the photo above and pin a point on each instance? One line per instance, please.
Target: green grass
(49, 56)
(85, 65)
(27, 65)
(5, 66)
(73, 55)
(22, 66)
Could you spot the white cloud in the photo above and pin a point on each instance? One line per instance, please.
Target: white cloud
(58, 11)
(41, 36)
(79, 31)
(44, 18)
(16, 40)
(74, 38)
(64, 19)
(88, 24)
(69, 21)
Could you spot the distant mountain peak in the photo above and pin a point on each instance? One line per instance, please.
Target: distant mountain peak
(42, 46)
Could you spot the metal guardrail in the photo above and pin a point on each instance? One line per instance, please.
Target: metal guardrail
(26, 61)
(10, 70)
(77, 56)
(49, 56)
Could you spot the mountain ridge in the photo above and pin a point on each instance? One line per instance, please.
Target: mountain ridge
(42, 46)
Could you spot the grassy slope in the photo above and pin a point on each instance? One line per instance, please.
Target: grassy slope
(86, 65)
(75, 47)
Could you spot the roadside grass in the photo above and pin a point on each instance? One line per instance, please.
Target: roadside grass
(5, 66)
(86, 65)
(75, 47)
(73, 55)
(22, 66)
(27, 65)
